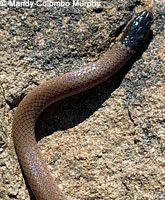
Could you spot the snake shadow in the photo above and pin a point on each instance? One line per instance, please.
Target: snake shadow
(71, 111)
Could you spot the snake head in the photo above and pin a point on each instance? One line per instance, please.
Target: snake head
(137, 30)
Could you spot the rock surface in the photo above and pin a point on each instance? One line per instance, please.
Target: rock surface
(107, 143)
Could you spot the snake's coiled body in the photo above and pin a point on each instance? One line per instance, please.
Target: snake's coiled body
(38, 176)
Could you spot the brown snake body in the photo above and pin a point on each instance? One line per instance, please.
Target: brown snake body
(38, 176)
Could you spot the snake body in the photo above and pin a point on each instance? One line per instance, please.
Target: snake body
(23, 130)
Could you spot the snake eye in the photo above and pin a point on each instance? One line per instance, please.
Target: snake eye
(137, 30)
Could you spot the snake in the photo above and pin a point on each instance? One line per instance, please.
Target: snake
(37, 173)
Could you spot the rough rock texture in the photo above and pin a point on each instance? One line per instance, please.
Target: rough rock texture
(107, 143)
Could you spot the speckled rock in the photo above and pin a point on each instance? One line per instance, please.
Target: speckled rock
(106, 143)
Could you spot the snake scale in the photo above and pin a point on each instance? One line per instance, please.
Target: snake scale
(37, 173)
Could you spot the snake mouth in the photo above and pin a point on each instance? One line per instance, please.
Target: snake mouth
(137, 30)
